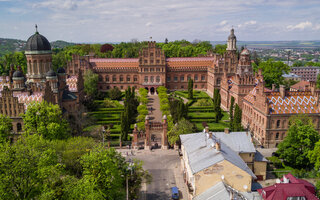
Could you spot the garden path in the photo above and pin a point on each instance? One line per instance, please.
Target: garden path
(155, 114)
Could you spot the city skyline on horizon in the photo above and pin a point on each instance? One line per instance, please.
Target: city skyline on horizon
(120, 21)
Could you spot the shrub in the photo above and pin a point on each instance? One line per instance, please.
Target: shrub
(108, 103)
(203, 102)
(115, 94)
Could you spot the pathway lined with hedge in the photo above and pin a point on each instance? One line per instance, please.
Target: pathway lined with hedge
(154, 103)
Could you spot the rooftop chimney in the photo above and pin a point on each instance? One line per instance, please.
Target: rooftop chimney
(226, 130)
(306, 88)
(282, 91)
(218, 147)
(206, 129)
(273, 87)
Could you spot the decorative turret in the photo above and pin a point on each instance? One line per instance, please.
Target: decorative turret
(232, 41)
(51, 76)
(18, 79)
(244, 65)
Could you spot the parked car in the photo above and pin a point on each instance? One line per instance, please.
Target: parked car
(175, 193)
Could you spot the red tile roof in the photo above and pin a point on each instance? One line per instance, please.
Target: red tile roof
(72, 83)
(294, 188)
(301, 85)
(114, 60)
(293, 102)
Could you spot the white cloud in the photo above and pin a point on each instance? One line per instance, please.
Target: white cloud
(300, 26)
(224, 22)
(149, 24)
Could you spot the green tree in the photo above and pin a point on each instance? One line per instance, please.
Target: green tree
(178, 110)
(318, 81)
(220, 48)
(272, 72)
(182, 127)
(115, 94)
(216, 105)
(190, 89)
(45, 119)
(28, 169)
(237, 118)
(231, 112)
(106, 169)
(71, 150)
(314, 156)
(90, 83)
(5, 128)
(300, 140)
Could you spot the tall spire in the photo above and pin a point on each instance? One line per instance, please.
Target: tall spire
(36, 29)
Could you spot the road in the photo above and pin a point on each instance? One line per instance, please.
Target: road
(165, 168)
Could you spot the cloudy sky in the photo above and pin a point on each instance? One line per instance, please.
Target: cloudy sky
(123, 20)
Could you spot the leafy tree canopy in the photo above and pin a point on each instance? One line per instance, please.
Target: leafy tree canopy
(90, 83)
(300, 140)
(5, 127)
(182, 127)
(272, 72)
(45, 119)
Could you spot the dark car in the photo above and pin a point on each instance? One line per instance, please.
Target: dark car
(175, 193)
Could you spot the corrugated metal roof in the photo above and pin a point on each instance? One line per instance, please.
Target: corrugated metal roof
(238, 141)
(218, 191)
(202, 154)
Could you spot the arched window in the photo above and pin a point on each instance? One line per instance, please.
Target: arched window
(278, 123)
(151, 79)
(128, 78)
(121, 78)
(107, 78)
(196, 77)
(114, 78)
(100, 78)
(158, 79)
(277, 136)
(19, 127)
(146, 79)
(135, 78)
(182, 78)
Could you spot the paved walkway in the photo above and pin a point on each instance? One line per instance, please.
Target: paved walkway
(155, 115)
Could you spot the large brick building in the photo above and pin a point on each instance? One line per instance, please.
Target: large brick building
(265, 112)
(41, 83)
(152, 69)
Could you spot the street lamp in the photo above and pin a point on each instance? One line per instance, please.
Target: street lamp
(129, 168)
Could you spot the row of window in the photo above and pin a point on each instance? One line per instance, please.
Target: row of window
(152, 69)
(182, 87)
(121, 78)
(151, 80)
(108, 87)
(175, 78)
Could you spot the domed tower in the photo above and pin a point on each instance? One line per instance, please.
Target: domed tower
(232, 41)
(51, 76)
(18, 79)
(39, 57)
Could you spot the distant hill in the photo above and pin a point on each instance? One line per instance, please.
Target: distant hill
(12, 45)
(296, 44)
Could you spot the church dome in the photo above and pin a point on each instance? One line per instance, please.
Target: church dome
(61, 70)
(17, 74)
(51, 73)
(232, 36)
(37, 42)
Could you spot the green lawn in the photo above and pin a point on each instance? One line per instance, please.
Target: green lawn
(196, 94)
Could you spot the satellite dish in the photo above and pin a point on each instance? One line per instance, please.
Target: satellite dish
(245, 187)
(222, 177)
(278, 181)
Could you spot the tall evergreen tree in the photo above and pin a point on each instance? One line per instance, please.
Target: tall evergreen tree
(231, 112)
(216, 105)
(237, 118)
(190, 89)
